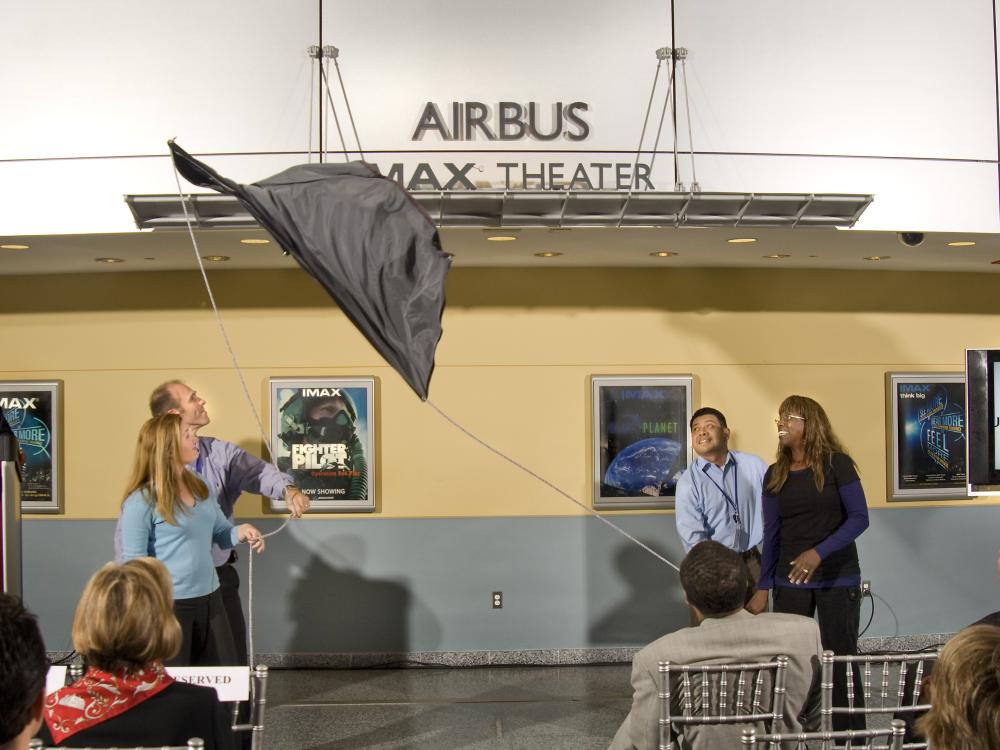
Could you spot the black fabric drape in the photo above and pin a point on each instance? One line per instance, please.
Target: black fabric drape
(359, 234)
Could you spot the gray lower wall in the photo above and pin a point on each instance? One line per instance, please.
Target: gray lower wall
(348, 585)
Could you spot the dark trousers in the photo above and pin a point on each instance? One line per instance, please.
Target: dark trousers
(206, 640)
(839, 613)
(229, 585)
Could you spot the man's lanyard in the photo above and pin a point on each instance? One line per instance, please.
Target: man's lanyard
(734, 504)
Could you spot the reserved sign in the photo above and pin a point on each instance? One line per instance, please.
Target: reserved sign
(231, 683)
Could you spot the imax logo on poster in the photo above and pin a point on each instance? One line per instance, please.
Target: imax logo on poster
(510, 121)
(8, 402)
(914, 388)
(313, 392)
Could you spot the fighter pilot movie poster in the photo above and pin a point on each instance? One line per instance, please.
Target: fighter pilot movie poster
(322, 436)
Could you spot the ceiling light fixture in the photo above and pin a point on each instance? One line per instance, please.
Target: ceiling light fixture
(254, 241)
(877, 257)
(741, 240)
(547, 255)
(776, 256)
(15, 247)
(962, 243)
(501, 238)
(663, 254)
(215, 258)
(110, 260)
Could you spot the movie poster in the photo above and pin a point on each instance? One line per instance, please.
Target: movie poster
(928, 436)
(33, 409)
(641, 444)
(322, 435)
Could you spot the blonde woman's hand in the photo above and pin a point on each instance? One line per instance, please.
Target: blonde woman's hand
(249, 534)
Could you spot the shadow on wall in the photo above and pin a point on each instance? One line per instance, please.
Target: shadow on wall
(337, 609)
(653, 606)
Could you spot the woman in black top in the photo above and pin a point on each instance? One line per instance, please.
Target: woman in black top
(124, 628)
(814, 508)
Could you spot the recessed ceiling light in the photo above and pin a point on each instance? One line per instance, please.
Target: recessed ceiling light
(215, 258)
(741, 240)
(255, 241)
(547, 255)
(501, 238)
(663, 254)
(110, 260)
(962, 243)
(776, 256)
(560, 229)
(877, 257)
(15, 247)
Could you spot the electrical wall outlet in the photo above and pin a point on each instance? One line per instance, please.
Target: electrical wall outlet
(497, 600)
(866, 587)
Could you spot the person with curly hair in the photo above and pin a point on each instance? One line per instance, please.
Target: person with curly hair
(814, 509)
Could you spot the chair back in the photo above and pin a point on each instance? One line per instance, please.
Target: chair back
(856, 739)
(889, 684)
(718, 694)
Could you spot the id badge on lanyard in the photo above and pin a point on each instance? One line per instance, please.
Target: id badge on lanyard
(734, 505)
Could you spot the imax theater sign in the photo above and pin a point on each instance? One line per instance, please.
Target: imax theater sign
(512, 123)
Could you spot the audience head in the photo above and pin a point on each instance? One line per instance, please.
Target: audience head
(23, 666)
(714, 579)
(162, 450)
(965, 692)
(125, 617)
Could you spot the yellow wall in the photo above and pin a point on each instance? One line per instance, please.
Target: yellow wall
(513, 365)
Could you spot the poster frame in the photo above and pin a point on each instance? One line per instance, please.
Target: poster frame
(54, 389)
(683, 382)
(895, 492)
(370, 444)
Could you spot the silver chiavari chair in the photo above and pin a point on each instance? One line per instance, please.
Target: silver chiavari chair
(851, 739)
(715, 694)
(258, 699)
(890, 684)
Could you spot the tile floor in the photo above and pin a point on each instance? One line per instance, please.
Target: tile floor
(485, 708)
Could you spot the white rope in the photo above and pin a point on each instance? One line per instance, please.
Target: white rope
(246, 393)
(549, 484)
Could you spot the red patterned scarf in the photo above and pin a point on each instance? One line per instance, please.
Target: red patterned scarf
(100, 696)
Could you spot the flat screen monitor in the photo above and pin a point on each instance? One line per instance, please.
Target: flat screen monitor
(982, 383)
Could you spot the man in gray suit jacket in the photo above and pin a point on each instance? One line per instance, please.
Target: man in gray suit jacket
(714, 579)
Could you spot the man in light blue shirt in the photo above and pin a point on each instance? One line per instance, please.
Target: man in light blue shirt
(719, 495)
